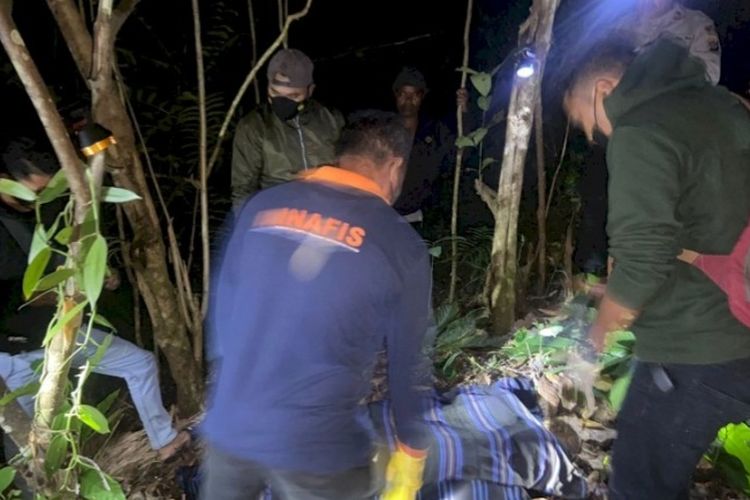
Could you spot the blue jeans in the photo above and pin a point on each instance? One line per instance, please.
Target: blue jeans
(122, 359)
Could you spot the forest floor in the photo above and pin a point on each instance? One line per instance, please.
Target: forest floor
(465, 355)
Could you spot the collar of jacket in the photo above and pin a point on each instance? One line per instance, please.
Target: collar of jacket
(338, 176)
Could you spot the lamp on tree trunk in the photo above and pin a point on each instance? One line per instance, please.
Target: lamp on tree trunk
(93, 139)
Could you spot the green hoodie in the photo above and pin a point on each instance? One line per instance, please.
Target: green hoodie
(679, 167)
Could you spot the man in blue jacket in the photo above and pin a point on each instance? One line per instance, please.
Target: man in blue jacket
(317, 275)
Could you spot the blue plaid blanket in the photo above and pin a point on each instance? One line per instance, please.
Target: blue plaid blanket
(487, 442)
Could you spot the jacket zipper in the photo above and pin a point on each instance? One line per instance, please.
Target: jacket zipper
(301, 142)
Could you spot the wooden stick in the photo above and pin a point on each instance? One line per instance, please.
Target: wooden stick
(459, 160)
(198, 339)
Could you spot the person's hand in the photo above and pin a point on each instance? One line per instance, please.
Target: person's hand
(462, 99)
(112, 281)
(582, 371)
(404, 474)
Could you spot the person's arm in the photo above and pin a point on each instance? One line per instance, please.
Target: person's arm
(407, 376)
(706, 46)
(247, 160)
(643, 194)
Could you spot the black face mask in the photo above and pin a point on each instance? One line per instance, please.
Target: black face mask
(285, 108)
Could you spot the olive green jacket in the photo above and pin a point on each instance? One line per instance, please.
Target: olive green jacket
(679, 177)
(268, 151)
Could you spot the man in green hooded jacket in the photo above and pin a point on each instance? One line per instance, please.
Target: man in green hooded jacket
(290, 133)
(679, 178)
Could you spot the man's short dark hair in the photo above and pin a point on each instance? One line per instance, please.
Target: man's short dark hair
(610, 57)
(375, 134)
(22, 158)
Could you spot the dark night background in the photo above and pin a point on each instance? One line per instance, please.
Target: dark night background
(342, 36)
(357, 46)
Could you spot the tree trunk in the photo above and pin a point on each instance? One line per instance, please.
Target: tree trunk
(147, 249)
(57, 354)
(501, 279)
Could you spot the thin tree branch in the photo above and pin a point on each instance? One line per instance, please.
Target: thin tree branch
(488, 196)
(75, 33)
(253, 72)
(541, 173)
(557, 170)
(459, 159)
(198, 340)
(121, 14)
(103, 41)
(375, 47)
(254, 50)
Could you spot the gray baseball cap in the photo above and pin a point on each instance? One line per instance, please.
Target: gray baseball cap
(290, 68)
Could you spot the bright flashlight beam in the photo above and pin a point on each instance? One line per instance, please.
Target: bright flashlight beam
(525, 70)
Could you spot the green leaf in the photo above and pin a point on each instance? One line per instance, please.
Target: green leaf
(38, 242)
(482, 82)
(94, 268)
(487, 162)
(106, 404)
(102, 321)
(464, 142)
(93, 418)
(55, 187)
(118, 195)
(34, 271)
(67, 318)
(56, 453)
(53, 279)
(7, 474)
(16, 190)
(618, 391)
(467, 70)
(478, 135)
(26, 390)
(483, 102)
(436, 251)
(97, 485)
(63, 237)
(734, 458)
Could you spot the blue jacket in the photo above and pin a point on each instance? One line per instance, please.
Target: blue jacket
(317, 275)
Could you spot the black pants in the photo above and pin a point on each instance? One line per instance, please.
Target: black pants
(663, 431)
(229, 478)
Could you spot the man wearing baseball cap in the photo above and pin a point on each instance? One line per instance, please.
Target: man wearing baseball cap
(289, 133)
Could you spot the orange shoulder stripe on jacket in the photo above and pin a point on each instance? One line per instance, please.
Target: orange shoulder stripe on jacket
(335, 175)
